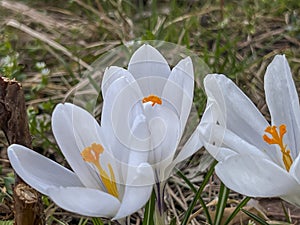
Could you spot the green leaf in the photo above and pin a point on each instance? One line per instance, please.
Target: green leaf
(192, 187)
(97, 221)
(198, 194)
(286, 214)
(8, 182)
(255, 217)
(8, 222)
(237, 209)
(83, 221)
(173, 221)
(187, 181)
(149, 211)
(223, 197)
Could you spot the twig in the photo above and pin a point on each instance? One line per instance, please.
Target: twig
(19, 7)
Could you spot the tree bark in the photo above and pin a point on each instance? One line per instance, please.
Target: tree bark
(28, 209)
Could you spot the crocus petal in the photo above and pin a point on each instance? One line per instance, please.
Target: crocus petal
(295, 169)
(293, 198)
(75, 129)
(139, 143)
(150, 69)
(85, 201)
(164, 127)
(237, 109)
(138, 189)
(135, 151)
(220, 135)
(218, 140)
(179, 89)
(191, 146)
(112, 74)
(38, 171)
(283, 101)
(122, 110)
(219, 153)
(147, 61)
(255, 177)
(231, 108)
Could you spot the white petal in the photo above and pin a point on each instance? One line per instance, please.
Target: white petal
(219, 153)
(39, 171)
(218, 135)
(221, 142)
(293, 198)
(139, 142)
(164, 127)
(204, 130)
(75, 129)
(179, 89)
(112, 74)
(295, 169)
(85, 201)
(191, 146)
(255, 177)
(150, 69)
(283, 101)
(136, 153)
(231, 108)
(137, 190)
(147, 61)
(122, 112)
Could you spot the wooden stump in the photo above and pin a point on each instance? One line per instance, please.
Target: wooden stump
(28, 208)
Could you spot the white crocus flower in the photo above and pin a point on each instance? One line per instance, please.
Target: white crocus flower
(99, 185)
(165, 97)
(144, 113)
(255, 158)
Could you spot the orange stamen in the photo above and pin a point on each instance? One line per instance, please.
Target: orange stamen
(277, 138)
(91, 154)
(152, 98)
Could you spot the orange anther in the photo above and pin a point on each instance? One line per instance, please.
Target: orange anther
(277, 138)
(91, 154)
(152, 98)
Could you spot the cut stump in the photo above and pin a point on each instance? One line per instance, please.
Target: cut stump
(28, 209)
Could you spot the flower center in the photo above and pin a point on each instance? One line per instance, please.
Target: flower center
(91, 154)
(152, 98)
(277, 139)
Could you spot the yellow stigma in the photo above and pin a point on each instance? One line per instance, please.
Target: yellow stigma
(152, 98)
(91, 154)
(277, 139)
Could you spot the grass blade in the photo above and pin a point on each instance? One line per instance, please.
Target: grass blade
(237, 209)
(149, 211)
(223, 196)
(255, 217)
(8, 222)
(187, 181)
(286, 214)
(192, 187)
(198, 194)
(173, 221)
(97, 221)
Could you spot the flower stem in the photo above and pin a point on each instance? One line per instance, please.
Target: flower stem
(159, 214)
(97, 221)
